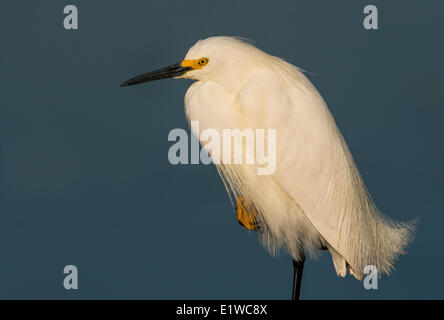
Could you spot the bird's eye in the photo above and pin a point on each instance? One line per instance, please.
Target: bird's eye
(203, 61)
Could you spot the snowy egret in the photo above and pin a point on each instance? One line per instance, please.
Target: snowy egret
(315, 198)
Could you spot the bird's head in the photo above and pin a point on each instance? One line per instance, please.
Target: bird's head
(225, 60)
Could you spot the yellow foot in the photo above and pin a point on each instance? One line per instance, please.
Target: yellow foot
(246, 218)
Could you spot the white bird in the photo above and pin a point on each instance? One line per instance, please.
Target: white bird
(315, 198)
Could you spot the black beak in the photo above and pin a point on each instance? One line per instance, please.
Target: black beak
(176, 70)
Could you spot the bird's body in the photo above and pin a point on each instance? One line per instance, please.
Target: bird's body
(315, 198)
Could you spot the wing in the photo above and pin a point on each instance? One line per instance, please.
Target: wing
(314, 167)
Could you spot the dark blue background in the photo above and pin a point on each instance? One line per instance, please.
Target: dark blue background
(84, 174)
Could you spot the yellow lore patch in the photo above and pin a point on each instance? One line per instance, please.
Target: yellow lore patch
(194, 64)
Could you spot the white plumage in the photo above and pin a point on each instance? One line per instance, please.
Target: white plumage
(315, 198)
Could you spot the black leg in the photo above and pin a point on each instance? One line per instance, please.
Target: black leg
(298, 268)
